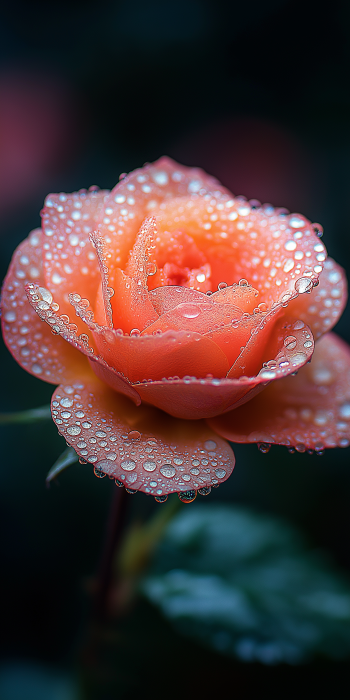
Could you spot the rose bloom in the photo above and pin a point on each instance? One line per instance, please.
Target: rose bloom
(174, 317)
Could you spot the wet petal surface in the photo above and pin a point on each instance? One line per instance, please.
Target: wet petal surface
(31, 341)
(322, 308)
(69, 259)
(142, 447)
(291, 346)
(310, 410)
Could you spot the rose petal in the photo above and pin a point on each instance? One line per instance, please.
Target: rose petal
(138, 194)
(143, 447)
(323, 307)
(278, 254)
(156, 356)
(311, 410)
(204, 398)
(30, 341)
(70, 262)
(242, 295)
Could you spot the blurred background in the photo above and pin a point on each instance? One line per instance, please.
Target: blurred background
(258, 95)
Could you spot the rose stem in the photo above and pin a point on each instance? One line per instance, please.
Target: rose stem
(114, 530)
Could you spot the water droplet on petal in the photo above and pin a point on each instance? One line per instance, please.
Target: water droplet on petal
(302, 285)
(205, 491)
(168, 471)
(264, 447)
(187, 496)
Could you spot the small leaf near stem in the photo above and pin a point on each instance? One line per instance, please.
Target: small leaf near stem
(68, 457)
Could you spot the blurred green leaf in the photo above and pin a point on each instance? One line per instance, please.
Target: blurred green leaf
(248, 586)
(33, 415)
(68, 457)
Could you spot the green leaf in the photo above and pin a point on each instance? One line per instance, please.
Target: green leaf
(68, 457)
(248, 586)
(33, 415)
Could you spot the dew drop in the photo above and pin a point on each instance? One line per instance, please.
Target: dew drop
(161, 499)
(128, 465)
(134, 435)
(99, 473)
(302, 285)
(151, 269)
(344, 411)
(189, 310)
(73, 430)
(66, 403)
(168, 471)
(264, 447)
(222, 285)
(149, 466)
(290, 342)
(220, 473)
(187, 496)
(118, 483)
(210, 445)
(205, 491)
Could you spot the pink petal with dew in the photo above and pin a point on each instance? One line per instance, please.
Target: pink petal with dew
(70, 261)
(322, 308)
(142, 447)
(139, 193)
(309, 411)
(191, 397)
(31, 342)
(277, 254)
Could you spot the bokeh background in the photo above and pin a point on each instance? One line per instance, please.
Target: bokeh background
(256, 93)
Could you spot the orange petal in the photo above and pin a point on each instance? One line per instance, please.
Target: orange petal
(165, 299)
(311, 410)
(31, 341)
(153, 357)
(131, 305)
(269, 249)
(200, 317)
(203, 398)
(242, 295)
(70, 263)
(142, 447)
(140, 192)
(323, 307)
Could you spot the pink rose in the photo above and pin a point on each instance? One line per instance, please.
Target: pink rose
(174, 317)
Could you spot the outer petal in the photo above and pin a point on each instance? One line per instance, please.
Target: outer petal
(42, 302)
(70, 263)
(203, 398)
(31, 341)
(138, 194)
(311, 410)
(323, 307)
(143, 447)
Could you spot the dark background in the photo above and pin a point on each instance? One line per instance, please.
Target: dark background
(256, 93)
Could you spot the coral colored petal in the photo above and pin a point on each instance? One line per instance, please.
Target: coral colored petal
(31, 341)
(165, 299)
(153, 357)
(114, 379)
(138, 194)
(142, 447)
(131, 305)
(323, 307)
(311, 410)
(70, 262)
(200, 317)
(191, 398)
(278, 254)
(242, 295)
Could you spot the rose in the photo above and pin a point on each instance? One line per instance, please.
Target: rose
(188, 303)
